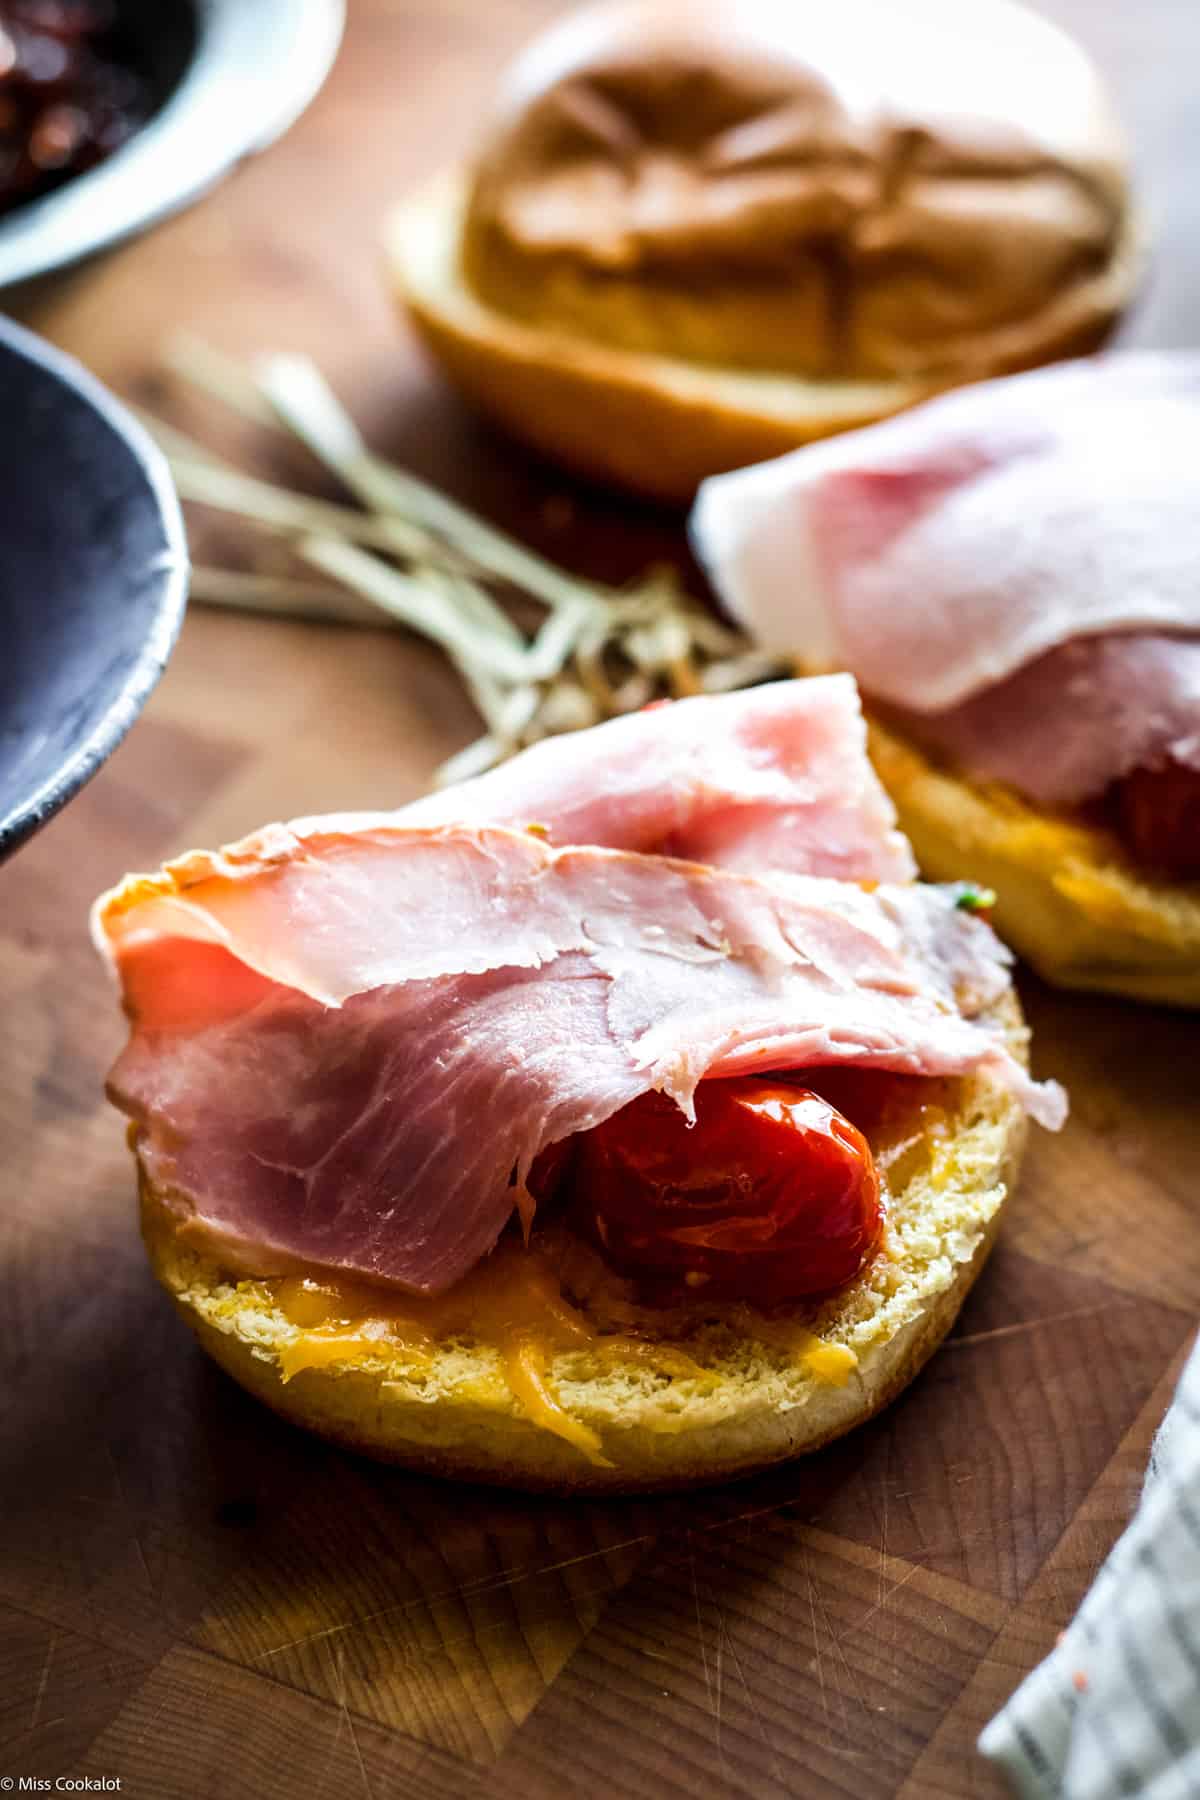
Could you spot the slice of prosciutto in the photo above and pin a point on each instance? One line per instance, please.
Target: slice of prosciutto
(775, 777)
(1083, 715)
(350, 1039)
(1011, 566)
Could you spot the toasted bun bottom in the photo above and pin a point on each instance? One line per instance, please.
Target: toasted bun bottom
(657, 425)
(1068, 897)
(749, 1403)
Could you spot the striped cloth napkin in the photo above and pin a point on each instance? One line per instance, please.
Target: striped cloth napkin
(1115, 1709)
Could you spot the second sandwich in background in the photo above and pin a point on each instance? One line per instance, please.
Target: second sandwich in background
(1010, 572)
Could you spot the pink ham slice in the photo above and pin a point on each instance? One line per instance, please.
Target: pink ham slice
(348, 1040)
(1015, 561)
(1081, 716)
(773, 778)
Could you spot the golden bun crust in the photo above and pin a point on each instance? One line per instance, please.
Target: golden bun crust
(1069, 898)
(866, 191)
(733, 1403)
(656, 425)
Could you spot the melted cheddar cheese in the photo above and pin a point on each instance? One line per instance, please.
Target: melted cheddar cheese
(515, 1302)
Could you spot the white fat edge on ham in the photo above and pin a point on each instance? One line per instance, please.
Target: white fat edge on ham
(773, 777)
(360, 1096)
(937, 553)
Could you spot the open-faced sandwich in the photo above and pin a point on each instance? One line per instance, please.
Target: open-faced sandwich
(624, 1118)
(695, 234)
(1011, 573)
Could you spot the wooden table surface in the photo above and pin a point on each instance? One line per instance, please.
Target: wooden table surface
(199, 1601)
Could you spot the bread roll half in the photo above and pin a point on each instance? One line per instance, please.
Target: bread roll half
(693, 236)
(655, 425)
(703, 1399)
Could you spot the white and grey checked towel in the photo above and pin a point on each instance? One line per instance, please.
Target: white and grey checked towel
(1115, 1710)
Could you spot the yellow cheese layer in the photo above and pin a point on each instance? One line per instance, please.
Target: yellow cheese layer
(515, 1302)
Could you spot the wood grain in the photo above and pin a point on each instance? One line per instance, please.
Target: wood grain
(200, 1601)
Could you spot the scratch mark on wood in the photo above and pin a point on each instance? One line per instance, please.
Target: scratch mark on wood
(817, 1598)
(1026, 1325)
(712, 1682)
(421, 1651)
(151, 1722)
(760, 1722)
(98, 1643)
(745, 1518)
(337, 1738)
(316, 1637)
(867, 1711)
(41, 1686)
(881, 1602)
(530, 1571)
(885, 1494)
(722, 1634)
(129, 1514)
(342, 1715)
(468, 1590)
(816, 1639)
(349, 1717)
(708, 1686)
(362, 1767)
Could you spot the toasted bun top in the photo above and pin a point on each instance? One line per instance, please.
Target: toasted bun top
(878, 189)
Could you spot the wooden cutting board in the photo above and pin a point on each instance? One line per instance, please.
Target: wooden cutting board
(199, 1601)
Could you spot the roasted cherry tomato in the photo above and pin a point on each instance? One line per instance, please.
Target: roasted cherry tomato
(550, 1166)
(771, 1195)
(1158, 815)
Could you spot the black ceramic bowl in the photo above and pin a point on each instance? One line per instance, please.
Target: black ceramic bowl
(93, 576)
(225, 77)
